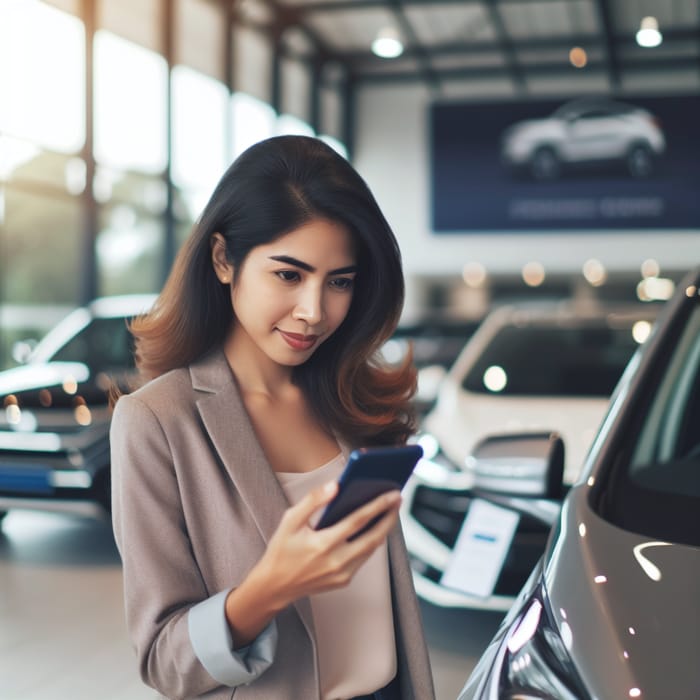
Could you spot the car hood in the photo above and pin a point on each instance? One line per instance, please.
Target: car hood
(461, 419)
(53, 405)
(41, 376)
(627, 605)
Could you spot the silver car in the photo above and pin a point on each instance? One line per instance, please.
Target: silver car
(54, 422)
(612, 610)
(585, 133)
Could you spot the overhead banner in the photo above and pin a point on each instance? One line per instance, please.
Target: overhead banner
(588, 163)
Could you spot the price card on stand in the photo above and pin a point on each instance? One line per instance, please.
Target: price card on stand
(481, 547)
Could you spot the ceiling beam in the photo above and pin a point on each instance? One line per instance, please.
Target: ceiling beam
(418, 51)
(507, 46)
(482, 47)
(597, 67)
(605, 20)
(286, 16)
(343, 5)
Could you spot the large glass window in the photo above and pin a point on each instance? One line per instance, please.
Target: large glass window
(252, 120)
(24, 162)
(289, 124)
(199, 135)
(130, 105)
(41, 251)
(129, 250)
(42, 64)
(40, 256)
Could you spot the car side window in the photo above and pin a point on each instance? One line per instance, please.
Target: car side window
(671, 429)
(594, 114)
(104, 344)
(653, 486)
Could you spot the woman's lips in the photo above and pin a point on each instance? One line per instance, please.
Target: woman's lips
(298, 341)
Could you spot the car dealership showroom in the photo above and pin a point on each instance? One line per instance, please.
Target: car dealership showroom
(538, 164)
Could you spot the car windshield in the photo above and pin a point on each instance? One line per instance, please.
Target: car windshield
(103, 345)
(432, 343)
(654, 486)
(539, 360)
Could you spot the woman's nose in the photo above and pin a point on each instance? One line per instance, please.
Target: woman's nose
(309, 306)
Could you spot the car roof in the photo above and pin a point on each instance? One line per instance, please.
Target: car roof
(533, 313)
(586, 103)
(121, 305)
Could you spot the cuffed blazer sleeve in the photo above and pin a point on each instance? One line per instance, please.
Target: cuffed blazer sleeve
(168, 606)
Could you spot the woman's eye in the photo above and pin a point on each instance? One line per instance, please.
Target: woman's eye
(288, 275)
(342, 282)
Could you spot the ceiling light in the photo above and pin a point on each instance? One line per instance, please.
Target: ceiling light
(650, 268)
(649, 34)
(474, 274)
(387, 43)
(578, 57)
(594, 272)
(655, 289)
(533, 274)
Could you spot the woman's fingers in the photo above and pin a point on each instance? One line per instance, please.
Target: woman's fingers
(298, 515)
(361, 547)
(300, 561)
(365, 515)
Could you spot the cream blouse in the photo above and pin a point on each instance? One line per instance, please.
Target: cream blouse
(354, 625)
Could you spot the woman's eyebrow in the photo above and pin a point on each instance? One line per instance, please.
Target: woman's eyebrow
(310, 268)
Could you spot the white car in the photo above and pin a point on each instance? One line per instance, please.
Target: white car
(526, 370)
(585, 132)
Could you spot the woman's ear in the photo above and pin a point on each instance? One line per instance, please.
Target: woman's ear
(222, 267)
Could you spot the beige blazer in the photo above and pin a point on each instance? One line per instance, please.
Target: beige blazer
(194, 503)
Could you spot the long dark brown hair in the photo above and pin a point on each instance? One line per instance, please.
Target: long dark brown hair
(271, 189)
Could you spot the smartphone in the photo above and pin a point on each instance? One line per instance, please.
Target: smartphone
(369, 472)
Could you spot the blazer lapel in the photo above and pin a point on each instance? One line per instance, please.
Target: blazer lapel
(231, 431)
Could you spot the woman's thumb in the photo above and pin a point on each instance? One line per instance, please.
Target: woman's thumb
(315, 499)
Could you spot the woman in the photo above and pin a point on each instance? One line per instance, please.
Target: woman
(261, 356)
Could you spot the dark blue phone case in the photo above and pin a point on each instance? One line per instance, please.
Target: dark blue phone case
(370, 471)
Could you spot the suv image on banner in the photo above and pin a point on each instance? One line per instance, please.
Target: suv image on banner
(585, 133)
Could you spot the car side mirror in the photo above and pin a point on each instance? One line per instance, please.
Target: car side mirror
(525, 464)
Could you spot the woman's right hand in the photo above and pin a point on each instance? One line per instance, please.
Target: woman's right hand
(300, 561)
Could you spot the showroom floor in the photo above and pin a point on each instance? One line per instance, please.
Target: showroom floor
(62, 634)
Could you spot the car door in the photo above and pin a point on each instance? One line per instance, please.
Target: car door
(593, 134)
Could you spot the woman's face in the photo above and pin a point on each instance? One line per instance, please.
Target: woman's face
(290, 295)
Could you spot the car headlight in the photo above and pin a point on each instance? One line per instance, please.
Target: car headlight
(533, 662)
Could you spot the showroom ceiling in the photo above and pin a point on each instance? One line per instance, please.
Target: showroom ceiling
(514, 47)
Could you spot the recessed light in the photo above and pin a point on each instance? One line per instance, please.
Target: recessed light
(387, 43)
